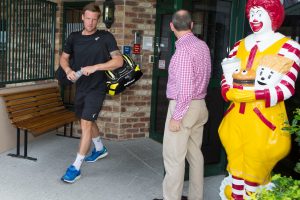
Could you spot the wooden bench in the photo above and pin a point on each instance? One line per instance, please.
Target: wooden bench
(37, 111)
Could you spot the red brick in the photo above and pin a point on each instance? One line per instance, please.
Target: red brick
(132, 119)
(132, 130)
(138, 21)
(139, 125)
(110, 125)
(130, 14)
(144, 119)
(126, 126)
(111, 136)
(144, 15)
(141, 114)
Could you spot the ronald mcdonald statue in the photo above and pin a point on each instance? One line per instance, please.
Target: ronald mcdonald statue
(258, 75)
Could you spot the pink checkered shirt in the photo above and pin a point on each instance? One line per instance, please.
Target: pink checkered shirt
(189, 73)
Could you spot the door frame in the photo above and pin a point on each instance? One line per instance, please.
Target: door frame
(156, 73)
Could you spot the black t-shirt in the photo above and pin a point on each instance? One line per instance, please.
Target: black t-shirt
(87, 50)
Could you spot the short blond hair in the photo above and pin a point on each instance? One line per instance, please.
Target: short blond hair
(93, 7)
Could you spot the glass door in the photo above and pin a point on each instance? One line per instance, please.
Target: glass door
(212, 24)
(215, 23)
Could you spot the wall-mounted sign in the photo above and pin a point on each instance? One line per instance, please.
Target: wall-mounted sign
(136, 49)
(126, 50)
(162, 64)
(148, 43)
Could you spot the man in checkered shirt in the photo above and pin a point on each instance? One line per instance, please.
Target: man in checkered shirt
(189, 74)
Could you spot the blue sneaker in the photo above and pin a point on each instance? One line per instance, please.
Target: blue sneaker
(71, 175)
(96, 155)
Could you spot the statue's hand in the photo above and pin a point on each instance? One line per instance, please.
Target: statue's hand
(239, 95)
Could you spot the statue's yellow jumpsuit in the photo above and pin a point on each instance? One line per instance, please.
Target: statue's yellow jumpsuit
(252, 133)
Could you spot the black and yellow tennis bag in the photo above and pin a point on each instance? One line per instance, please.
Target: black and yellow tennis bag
(119, 79)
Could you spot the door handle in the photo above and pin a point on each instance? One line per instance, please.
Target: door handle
(157, 45)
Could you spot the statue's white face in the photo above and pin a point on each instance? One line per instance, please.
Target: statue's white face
(260, 21)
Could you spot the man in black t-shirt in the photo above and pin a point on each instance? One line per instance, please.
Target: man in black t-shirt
(92, 52)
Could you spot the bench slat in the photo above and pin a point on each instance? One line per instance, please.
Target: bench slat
(51, 102)
(33, 112)
(31, 99)
(18, 120)
(30, 93)
(41, 130)
(34, 120)
(58, 118)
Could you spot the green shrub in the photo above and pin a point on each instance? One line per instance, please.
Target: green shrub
(285, 188)
(294, 128)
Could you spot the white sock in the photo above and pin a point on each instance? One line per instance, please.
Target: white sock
(78, 161)
(98, 143)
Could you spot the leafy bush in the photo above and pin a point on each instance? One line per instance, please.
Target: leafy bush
(285, 188)
(294, 128)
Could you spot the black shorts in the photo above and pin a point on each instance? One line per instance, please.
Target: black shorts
(88, 104)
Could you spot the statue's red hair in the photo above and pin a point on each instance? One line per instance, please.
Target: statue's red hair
(273, 7)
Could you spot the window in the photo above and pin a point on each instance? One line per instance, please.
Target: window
(27, 39)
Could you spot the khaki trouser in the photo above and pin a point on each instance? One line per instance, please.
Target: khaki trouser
(184, 144)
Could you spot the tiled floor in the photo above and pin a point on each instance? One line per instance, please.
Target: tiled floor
(132, 171)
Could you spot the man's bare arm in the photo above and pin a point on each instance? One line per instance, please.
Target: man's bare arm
(64, 63)
(115, 62)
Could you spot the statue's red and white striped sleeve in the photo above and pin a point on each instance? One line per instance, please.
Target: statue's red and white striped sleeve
(234, 50)
(286, 88)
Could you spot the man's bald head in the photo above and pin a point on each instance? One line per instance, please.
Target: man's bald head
(182, 20)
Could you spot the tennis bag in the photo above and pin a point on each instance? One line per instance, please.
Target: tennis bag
(121, 78)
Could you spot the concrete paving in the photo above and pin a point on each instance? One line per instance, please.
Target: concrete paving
(133, 170)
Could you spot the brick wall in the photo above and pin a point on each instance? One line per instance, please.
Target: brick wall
(58, 32)
(127, 115)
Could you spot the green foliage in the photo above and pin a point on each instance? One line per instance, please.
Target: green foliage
(297, 167)
(295, 125)
(285, 188)
(294, 128)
